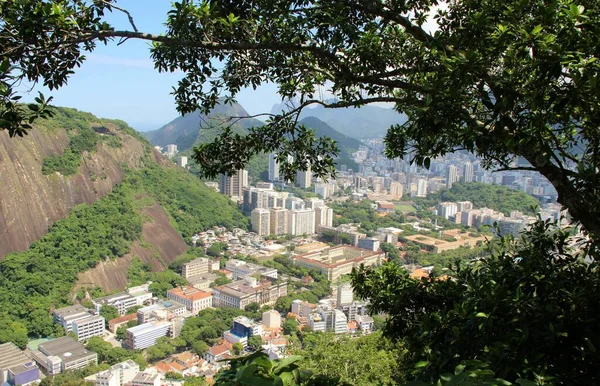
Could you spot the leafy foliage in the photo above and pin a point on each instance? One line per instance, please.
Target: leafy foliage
(43, 276)
(257, 369)
(367, 360)
(528, 310)
(497, 197)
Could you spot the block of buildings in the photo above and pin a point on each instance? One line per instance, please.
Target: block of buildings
(164, 310)
(16, 368)
(146, 335)
(344, 234)
(79, 320)
(199, 266)
(241, 268)
(325, 318)
(302, 308)
(63, 354)
(239, 294)
(192, 298)
(135, 296)
(337, 261)
(118, 375)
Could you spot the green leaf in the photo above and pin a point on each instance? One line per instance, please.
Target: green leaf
(481, 315)
(420, 364)
(459, 369)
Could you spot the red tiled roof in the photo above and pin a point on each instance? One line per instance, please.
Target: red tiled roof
(218, 350)
(124, 318)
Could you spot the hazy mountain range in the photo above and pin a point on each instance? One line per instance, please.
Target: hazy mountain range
(361, 123)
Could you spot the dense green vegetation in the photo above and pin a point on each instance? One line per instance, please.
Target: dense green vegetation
(529, 310)
(367, 360)
(34, 281)
(192, 205)
(82, 130)
(497, 197)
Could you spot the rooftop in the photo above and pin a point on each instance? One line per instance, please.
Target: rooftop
(124, 318)
(65, 312)
(65, 348)
(190, 293)
(11, 355)
(145, 327)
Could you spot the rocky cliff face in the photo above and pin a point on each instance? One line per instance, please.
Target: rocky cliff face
(30, 202)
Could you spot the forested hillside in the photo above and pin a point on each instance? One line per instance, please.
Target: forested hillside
(41, 278)
(497, 197)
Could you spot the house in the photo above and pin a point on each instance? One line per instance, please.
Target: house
(217, 353)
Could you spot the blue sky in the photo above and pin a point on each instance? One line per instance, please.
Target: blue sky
(120, 82)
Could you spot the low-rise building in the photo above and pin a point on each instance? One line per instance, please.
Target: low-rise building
(217, 353)
(118, 375)
(63, 354)
(16, 367)
(123, 301)
(241, 268)
(337, 261)
(93, 325)
(239, 294)
(146, 379)
(199, 266)
(365, 323)
(164, 310)
(146, 335)
(344, 234)
(192, 298)
(115, 323)
(302, 308)
(79, 320)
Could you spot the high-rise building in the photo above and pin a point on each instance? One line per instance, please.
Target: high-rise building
(451, 176)
(273, 167)
(304, 178)
(323, 216)
(468, 172)
(279, 221)
(313, 203)
(321, 190)
(396, 189)
(301, 221)
(233, 186)
(344, 294)
(261, 222)
(421, 188)
(182, 161)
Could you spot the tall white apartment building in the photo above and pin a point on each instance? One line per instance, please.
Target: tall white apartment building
(279, 221)
(304, 178)
(273, 167)
(421, 188)
(396, 189)
(451, 176)
(345, 295)
(261, 221)
(468, 172)
(302, 221)
(322, 191)
(323, 217)
(314, 203)
(447, 209)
